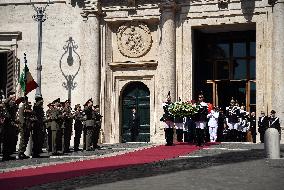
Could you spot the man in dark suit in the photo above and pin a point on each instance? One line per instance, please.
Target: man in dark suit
(263, 123)
(134, 125)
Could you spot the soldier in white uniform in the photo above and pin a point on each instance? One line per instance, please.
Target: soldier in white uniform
(232, 118)
(213, 124)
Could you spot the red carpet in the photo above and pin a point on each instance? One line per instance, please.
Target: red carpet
(46, 174)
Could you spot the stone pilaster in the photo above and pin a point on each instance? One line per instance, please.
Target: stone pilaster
(92, 14)
(166, 72)
(278, 60)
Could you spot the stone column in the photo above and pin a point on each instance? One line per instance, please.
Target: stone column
(166, 71)
(278, 60)
(167, 63)
(92, 57)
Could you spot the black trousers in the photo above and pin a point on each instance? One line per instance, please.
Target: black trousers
(169, 134)
(179, 135)
(199, 136)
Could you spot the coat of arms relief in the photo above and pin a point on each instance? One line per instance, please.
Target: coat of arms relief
(134, 39)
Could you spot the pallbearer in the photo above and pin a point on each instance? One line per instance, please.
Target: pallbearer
(232, 118)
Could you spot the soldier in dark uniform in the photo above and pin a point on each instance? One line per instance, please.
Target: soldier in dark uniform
(233, 115)
(9, 129)
(84, 126)
(200, 119)
(134, 125)
(48, 126)
(68, 123)
(97, 127)
(78, 126)
(39, 127)
(168, 120)
(26, 119)
(55, 116)
(252, 124)
(263, 124)
(90, 124)
(274, 122)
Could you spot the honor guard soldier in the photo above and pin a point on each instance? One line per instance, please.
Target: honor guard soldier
(55, 126)
(97, 128)
(10, 127)
(38, 129)
(78, 126)
(68, 123)
(90, 123)
(200, 119)
(26, 119)
(263, 124)
(168, 120)
(48, 126)
(232, 116)
(274, 122)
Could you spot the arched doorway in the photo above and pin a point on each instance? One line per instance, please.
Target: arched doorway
(136, 95)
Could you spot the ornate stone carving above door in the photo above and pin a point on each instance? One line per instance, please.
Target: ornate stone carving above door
(134, 39)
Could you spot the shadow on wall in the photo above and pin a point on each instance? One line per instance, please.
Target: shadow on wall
(70, 65)
(248, 7)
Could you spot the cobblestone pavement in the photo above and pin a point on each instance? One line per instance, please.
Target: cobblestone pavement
(106, 150)
(226, 166)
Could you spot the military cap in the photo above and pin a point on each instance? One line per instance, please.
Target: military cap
(90, 100)
(273, 111)
(38, 98)
(56, 101)
(67, 101)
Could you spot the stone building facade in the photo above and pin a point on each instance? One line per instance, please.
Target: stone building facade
(130, 53)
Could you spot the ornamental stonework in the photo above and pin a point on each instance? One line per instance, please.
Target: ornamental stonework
(134, 39)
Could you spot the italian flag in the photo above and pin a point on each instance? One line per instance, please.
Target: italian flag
(26, 81)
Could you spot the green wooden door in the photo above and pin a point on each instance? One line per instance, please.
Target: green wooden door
(136, 95)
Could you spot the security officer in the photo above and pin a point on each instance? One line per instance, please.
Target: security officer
(10, 125)
(97, 127)
(78, 126)
(168, 120)
(38, 128)
(90, 123)
(68, 123)
(263, 124)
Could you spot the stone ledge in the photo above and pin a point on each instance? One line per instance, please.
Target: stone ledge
(134, 64)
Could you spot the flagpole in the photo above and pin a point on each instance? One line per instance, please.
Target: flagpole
(30, 143)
